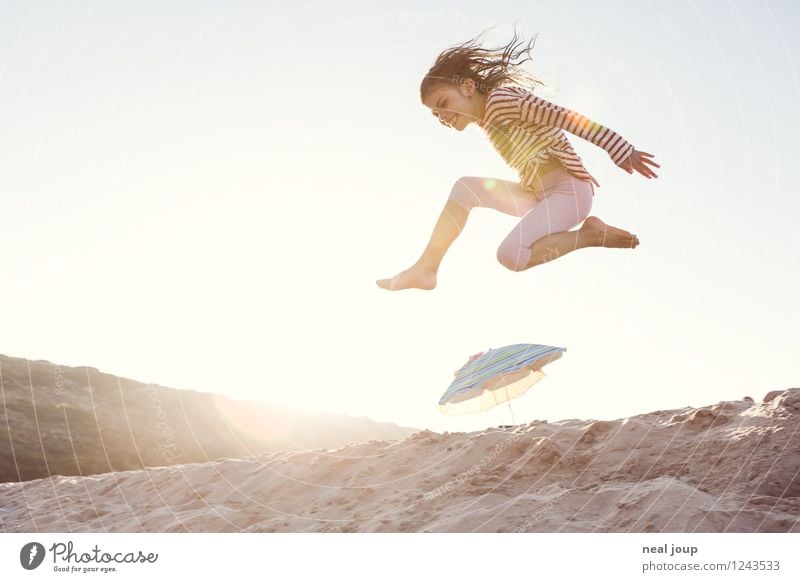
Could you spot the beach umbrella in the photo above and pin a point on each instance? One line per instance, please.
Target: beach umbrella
(496, 376)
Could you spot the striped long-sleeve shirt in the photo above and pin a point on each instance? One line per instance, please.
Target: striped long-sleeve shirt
(527, 130)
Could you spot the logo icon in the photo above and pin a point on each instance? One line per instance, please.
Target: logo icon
(31, 555)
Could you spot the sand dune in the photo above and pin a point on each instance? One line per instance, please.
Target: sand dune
(61, 420)
(729, 467)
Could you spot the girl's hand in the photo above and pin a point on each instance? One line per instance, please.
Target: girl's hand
(638, 161)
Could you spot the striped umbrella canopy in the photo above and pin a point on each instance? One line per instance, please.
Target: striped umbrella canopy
(496, 376)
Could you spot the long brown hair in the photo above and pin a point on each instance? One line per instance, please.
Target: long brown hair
(487, 67)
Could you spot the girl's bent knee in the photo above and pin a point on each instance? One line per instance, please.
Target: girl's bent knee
(468, 183)
(466, 193)
(513, 259)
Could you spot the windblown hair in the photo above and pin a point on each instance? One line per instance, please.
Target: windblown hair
(487, 67)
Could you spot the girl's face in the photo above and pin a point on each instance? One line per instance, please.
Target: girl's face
(456, 105)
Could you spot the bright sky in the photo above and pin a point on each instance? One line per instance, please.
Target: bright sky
(202, 194)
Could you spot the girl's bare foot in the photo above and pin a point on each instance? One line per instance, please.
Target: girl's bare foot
(604, 235)
(414, 278)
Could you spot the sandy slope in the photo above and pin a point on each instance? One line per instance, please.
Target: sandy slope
(733, 466)
(61, 420)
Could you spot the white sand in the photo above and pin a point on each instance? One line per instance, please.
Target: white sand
(730, 467)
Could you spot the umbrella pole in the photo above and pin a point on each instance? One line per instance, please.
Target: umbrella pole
(508, 401)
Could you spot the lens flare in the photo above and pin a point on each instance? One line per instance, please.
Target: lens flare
(256, 422)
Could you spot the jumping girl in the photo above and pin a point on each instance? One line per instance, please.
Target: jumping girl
(470, 84)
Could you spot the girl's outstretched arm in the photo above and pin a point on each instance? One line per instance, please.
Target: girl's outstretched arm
(638, 161)
(422, 275)
(528, 107)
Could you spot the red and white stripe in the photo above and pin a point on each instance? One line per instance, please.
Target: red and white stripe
(527, 130)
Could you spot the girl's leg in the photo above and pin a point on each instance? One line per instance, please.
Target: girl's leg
(467, 193)
(422, 275)
(593, 233)
(542, 235)
(538, 222)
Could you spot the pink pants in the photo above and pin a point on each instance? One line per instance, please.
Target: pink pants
(566, 202)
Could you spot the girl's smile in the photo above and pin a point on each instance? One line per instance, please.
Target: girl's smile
(456, 105)
(463, 82)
